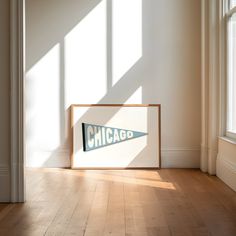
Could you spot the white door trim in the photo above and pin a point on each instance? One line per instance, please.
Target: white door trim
(17, 100)
(212, 72)
(204, 84)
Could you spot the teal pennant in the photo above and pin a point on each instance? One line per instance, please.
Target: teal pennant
(98, 136)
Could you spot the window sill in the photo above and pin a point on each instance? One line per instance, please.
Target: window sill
(229, 140)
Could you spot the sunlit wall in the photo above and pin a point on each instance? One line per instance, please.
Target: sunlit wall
(112, 51)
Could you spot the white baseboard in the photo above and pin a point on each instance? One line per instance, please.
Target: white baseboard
(4, 183)
(4, 170)
(226, 171)
(180, 158)
(170, 158)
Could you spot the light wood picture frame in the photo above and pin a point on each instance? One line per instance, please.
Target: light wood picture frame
(115, 136)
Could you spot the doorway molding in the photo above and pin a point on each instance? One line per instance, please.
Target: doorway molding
(17, 63)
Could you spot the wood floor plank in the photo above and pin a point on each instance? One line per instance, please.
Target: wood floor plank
(167, 202)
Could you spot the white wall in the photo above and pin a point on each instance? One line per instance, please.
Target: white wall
(4, 101)
(147, 51)
(226, 162)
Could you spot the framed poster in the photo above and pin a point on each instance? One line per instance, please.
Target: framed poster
(115, 136)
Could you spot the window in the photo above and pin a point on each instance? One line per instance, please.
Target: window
(231, 72)
(232, 3)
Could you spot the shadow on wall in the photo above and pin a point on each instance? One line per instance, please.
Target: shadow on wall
(108, 51)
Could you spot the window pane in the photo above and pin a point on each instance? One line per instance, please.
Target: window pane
(232, 3)
(232, 75)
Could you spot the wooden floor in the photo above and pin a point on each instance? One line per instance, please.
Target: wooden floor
(129, 202)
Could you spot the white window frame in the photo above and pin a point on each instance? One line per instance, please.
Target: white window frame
(228, 15)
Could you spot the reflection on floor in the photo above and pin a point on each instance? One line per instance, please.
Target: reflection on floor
(121, 203)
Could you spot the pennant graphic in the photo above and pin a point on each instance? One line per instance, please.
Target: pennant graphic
(97, 136)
